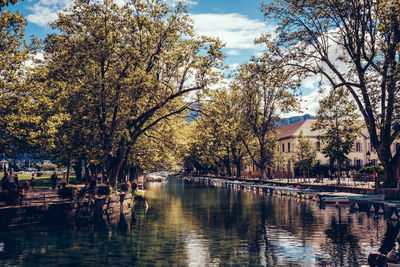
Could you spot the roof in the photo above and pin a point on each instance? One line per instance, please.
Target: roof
(294, 130)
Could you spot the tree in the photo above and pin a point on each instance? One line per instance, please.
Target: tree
(4, 3)
(263, 90)
(28, 118)
(355, 45)
(218, 132)
(122, 70)
(337, 125)
(306, 154)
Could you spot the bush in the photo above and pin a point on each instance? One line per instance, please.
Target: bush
(370, 169)
(125, 187)
(48, 166)
(134, 186)
(138, 196)
(68, 192)
(14, 196)
(104, 190)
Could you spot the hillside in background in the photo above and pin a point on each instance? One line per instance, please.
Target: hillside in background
(286, 121)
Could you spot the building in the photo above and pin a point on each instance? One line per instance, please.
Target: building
(288, 135)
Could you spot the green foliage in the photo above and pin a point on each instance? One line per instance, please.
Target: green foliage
(350, 44)
(47, 167)
(216, 144)
(28, 118)
(4, 3)
(14, 196)
(336, 125)
(138, 195)
(68, 192)
(104, 190)
(125, 187)
(121, 71)
(263, 88)
(306, 153)
(370, 169)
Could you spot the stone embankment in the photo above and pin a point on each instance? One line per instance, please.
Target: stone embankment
(108, 208)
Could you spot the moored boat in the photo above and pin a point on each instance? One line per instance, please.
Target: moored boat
(364, 201)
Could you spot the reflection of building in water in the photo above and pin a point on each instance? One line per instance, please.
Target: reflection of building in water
(335, 229)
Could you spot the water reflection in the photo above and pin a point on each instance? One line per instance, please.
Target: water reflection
(197, 225)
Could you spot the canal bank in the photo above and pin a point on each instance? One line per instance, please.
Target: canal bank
(198, 224)
(357, 198)
(107, 208)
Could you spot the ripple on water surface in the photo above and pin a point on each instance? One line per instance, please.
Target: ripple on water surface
(198, 225)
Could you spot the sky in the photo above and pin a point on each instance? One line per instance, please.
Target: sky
(236, 22)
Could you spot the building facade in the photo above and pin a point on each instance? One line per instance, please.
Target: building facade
(363, 152)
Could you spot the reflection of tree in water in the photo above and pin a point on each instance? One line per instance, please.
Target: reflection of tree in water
(341, 246)
(236, 223)
(388, 241)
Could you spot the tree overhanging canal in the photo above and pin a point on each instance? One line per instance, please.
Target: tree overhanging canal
(196, 224)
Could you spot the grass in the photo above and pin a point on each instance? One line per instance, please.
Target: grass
(42, 181)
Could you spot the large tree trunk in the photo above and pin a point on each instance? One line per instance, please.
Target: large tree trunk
(263, 173)
(390, 165)
(228, 167)
(77, 166)
(116, 165)
(238, 169)
(68, 167)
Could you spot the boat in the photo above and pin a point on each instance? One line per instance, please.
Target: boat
(333, 198)
(365, 201)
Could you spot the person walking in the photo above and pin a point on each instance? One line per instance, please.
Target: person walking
(64, 180)
(33, 181)
(11, 181)
(375, 178)
(4, 181)
(16, 179)
(54, 180)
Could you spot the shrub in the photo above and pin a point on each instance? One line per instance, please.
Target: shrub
(125, 187)
(68, 192)
(134, 186)
(14, 196)
(138, 196)
(104, 190)
(370, 169)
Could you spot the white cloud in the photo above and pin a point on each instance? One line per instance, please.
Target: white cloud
(175, 2)
(236, 30)
(233, 52)
(309, 104)
(233, 66)
(45, 11)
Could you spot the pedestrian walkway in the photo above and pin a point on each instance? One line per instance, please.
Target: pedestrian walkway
(344, 182)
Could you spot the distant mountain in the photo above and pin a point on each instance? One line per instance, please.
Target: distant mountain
(286, 121)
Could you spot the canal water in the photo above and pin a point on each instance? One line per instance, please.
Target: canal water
(189, 224)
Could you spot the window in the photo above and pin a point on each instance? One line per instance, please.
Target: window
(283, 147)
(358, 162)
(358, 147)
(288, 147)
(371, 147)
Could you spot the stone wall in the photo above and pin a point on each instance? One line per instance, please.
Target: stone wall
(105, 208)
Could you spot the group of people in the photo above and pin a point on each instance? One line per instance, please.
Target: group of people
(54, 180)
(11, 181)
(343, 174)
